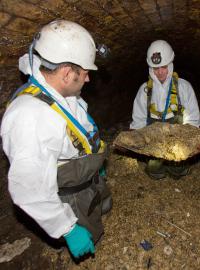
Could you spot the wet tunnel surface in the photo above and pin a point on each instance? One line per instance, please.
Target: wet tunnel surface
(165, 213)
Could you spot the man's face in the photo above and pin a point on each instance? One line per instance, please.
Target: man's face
(76, 82)
(161, 73)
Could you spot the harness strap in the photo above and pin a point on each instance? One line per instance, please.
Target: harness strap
(73, 129)
(95, 144)
(63, 191)
(180, 107)
(174, 99)
(78, 140)
(149, 94)
(167, 101)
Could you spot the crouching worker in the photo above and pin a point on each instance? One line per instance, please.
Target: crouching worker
(53, 144)
(165, 98)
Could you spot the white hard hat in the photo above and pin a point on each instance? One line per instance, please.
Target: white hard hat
(65, 41)
(159, 54)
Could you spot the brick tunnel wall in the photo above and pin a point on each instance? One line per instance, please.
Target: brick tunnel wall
(126, 27)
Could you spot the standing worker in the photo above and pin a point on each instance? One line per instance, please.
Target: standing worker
(164, 98)
(53, 144)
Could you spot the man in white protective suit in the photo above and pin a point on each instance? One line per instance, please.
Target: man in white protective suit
(53, 144)
(166, 98)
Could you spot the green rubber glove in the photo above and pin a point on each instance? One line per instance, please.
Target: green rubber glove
(102, 171)
(79, 241)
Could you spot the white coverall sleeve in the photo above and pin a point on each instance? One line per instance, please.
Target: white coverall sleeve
(32, 141)
(189, 101)
(139, 113)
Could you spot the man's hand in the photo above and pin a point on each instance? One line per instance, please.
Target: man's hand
(79, 241)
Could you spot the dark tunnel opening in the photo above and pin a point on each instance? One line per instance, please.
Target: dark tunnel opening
(114, 90)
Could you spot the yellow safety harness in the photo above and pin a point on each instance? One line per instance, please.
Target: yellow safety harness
(78, 140)
(174, 104)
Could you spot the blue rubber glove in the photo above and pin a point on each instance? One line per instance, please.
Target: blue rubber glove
(79, 241)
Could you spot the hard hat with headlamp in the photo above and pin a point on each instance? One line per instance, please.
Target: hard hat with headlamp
(159, 54)
(64, 41)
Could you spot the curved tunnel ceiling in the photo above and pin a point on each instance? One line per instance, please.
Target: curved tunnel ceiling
(126, 27)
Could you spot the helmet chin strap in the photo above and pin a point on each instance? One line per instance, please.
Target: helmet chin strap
(48, 64)
(30, 53)
(44, 62)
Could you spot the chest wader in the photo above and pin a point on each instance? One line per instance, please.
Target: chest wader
(177, 119)
(79, 181)
(81, 186)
